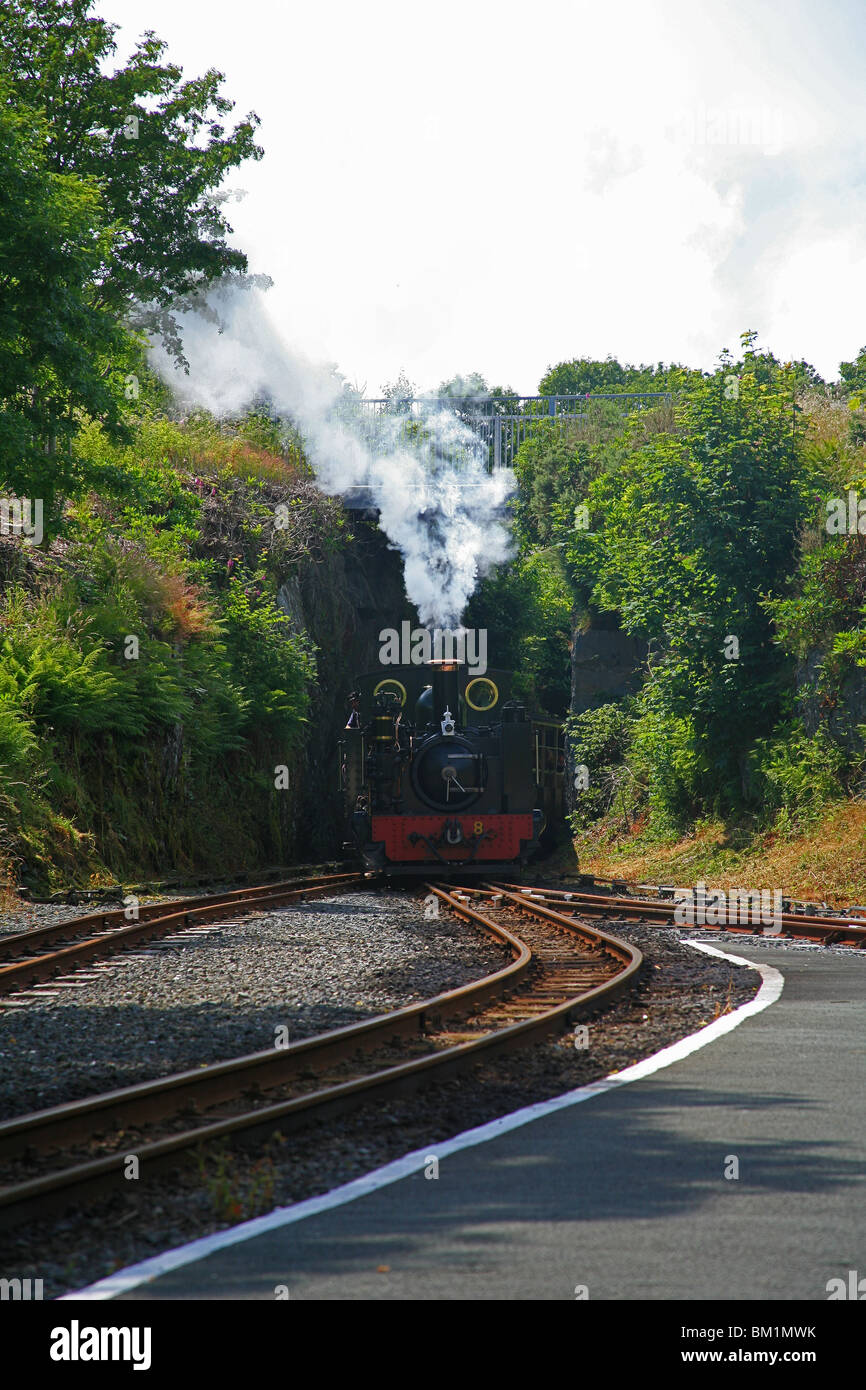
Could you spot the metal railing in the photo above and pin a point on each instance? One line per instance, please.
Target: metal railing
(500, 424)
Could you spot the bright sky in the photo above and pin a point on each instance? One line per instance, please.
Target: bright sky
(491, 186)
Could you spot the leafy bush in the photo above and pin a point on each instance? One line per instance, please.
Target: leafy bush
(669, 762)
(690, 534)
(273, 665)
(124, 675)
(599, 740)
(526, 608)
(796, 775)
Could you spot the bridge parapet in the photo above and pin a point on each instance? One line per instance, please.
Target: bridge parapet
(499, 423)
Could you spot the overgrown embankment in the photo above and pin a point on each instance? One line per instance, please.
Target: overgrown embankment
(172, 661)
(824, 863)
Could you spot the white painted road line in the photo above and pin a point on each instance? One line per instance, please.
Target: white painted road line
(772, 984)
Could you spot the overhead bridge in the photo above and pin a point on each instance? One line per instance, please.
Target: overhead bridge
(472, 430)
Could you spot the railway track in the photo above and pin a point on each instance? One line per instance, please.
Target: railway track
(828, 930)
(34, 956)
(561, 969)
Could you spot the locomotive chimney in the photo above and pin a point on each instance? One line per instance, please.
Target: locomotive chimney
(445, 676)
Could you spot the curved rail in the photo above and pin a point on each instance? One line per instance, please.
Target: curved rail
(829, 931)
(153, 920)
(602, 964)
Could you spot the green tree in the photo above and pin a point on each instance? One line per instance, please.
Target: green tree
(475, 385)
(554, 469)
(475, 403)
(61, 351)
(526, 608)
(584, 375)
(156, 145)
(689, 535)
(853, 374)
(399, 395)
(459, 387)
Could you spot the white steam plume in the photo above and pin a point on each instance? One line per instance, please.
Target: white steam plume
(438, 504)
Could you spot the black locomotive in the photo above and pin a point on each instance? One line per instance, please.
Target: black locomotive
(441, 768)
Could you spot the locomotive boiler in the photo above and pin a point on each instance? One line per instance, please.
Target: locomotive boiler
(439, 769)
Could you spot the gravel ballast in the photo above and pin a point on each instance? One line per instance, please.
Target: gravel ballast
(219, 992)
(27, 916)
(679, 990)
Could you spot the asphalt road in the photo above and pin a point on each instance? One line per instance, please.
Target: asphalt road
(625, 1195)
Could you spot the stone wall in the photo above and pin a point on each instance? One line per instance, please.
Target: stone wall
(840, 712)
(342, 603)
(606, 665)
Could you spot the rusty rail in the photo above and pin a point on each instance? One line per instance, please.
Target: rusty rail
(157, 1100)
(829, 931)
(155, 919)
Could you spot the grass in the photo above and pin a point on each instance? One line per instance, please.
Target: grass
(233, 1197)
(827, 863)
(726, 1006)
(201, 447)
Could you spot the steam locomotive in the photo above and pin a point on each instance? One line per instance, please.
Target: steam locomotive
(441, 770)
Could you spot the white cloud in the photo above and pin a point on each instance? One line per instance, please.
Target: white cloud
(493, 187)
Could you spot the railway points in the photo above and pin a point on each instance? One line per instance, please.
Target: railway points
(622, 1190)
(568, 971)
(531, 1006)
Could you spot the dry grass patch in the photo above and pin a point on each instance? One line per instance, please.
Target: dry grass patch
(825, 864)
